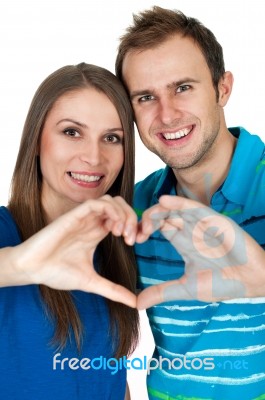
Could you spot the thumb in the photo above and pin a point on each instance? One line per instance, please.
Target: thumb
(179, 289)
(112, 291)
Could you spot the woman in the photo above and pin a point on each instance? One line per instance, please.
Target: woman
(77, 145)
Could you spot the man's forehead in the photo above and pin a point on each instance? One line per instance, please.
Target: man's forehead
(173, 48)
(148, 72)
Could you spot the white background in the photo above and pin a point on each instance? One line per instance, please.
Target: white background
(37, 37)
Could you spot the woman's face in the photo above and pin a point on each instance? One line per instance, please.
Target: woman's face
(81, 150)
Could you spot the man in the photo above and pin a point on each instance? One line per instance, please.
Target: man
(173, 69)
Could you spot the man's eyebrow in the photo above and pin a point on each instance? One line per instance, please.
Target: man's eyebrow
(137, 93)
(180, 82)
(72, 121)
(172, 85)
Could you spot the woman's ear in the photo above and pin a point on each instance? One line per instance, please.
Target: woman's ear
(225, 88)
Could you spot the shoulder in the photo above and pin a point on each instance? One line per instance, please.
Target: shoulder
(9, 234)
(144, 190)
(248, 164)
(249, 182)
(254, 147)
(150, 182)
(249, 144)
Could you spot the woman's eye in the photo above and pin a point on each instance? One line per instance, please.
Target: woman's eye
(71, 132)
(112, 139)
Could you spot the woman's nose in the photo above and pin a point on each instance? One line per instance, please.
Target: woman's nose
(91, 153)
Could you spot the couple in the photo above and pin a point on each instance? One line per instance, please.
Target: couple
(77, 147)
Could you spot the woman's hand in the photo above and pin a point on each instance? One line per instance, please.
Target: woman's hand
(221, 260)
(61, 255)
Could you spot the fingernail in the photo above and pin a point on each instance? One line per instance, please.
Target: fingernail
(119, 229)
(130, 240)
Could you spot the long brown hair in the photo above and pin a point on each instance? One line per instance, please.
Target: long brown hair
(117, 260)
(152, 27)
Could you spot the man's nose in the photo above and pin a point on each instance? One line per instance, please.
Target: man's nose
(169, 110)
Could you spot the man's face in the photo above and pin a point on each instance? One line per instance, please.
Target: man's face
(175, 105)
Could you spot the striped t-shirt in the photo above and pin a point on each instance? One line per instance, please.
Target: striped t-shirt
(207, 350)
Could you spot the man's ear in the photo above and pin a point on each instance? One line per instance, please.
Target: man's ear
(225, 88)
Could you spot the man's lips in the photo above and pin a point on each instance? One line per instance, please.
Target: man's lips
(178, 134)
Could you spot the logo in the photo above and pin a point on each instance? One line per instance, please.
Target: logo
(208, 243)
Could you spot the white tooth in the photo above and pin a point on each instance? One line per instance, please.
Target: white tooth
(183, 132)
(176, 135)
(85, 178)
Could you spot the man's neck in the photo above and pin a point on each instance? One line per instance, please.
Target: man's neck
(201, 181)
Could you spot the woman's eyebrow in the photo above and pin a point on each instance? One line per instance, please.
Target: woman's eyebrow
(72, 121)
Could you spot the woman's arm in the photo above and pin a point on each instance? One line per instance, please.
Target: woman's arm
(61, 255)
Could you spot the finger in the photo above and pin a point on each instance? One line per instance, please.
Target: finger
(158, 218)
(141, 237)
(193, 210)
(111, 290)
(185, 288)
(152, 220)
(126, 223)
(80, 215)
(149, 297)
(178, 202)
(130, 226)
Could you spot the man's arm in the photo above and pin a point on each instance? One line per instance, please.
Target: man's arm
(221, 260)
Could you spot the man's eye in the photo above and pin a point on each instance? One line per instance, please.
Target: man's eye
(71, 132)
(148, 97)
(182, 88)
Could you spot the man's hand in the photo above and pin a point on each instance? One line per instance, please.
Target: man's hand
(221, 261)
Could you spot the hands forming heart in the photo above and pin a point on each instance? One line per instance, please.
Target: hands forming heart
(222, 261)
(218, 254)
